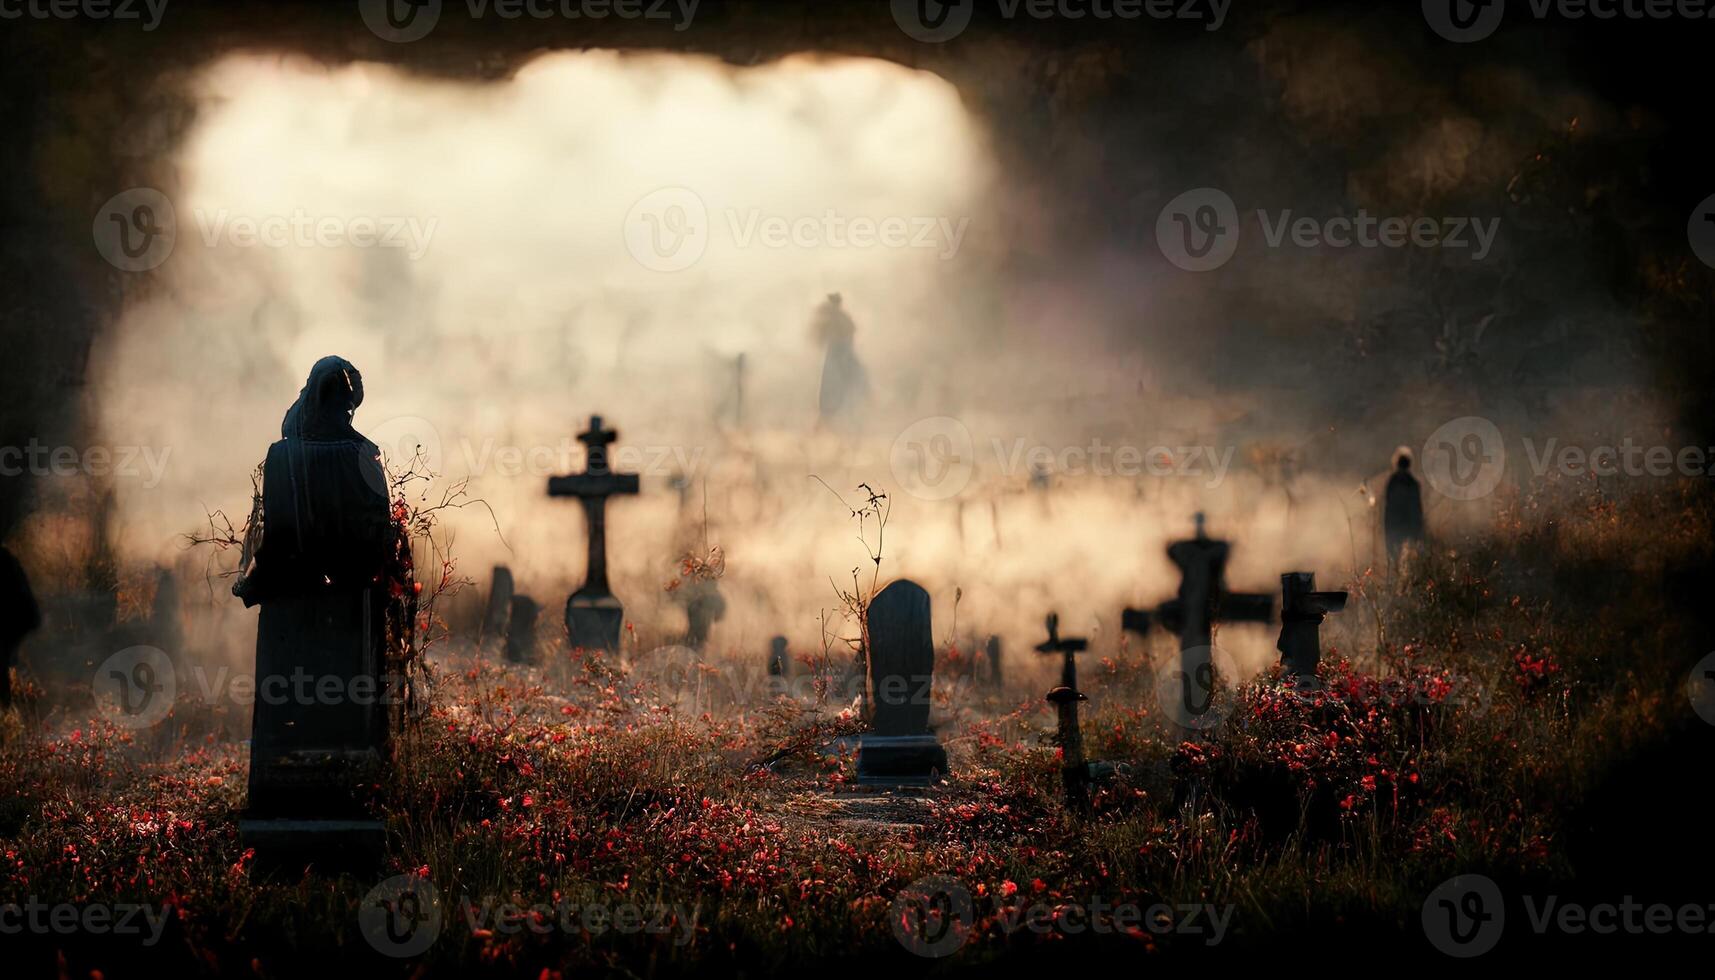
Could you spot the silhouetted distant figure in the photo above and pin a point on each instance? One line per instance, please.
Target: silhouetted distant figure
(1402, 517)
(323, 575)
(19, 615)
(845, 384)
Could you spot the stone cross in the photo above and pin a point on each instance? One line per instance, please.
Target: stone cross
(1203, 600)
(1074, 773)
(899, 749)
(593, 615)
(1302, 610)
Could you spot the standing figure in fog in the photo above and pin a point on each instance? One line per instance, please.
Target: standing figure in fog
(1402, 518)
(845, 384)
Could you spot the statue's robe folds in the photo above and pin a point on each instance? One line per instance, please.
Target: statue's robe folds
(324, 689)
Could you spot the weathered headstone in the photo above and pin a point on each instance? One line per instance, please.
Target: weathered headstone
(499, 611)
(1202, 601)
(164, 629)
(166, 626)
(521, 630)
(1074, 773)
(899, 750)
(778, 666)
(594, 616)
(1302, 610)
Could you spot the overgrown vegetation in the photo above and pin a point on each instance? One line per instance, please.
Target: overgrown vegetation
(1469, 737)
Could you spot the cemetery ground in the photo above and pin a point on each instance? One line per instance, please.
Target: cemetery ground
(1515, 707)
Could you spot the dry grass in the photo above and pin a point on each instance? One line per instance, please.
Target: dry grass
(1520, 669)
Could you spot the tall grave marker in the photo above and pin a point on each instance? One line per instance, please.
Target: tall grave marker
(1203, 600)
(1074, 773)
(1302, 610)
(899, 749)
(594, 616)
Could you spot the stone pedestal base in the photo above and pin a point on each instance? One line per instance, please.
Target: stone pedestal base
(330, 844)
(594, 620)
(900, 760)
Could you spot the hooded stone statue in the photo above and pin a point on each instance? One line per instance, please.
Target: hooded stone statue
(324, 572)
(324, 495)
